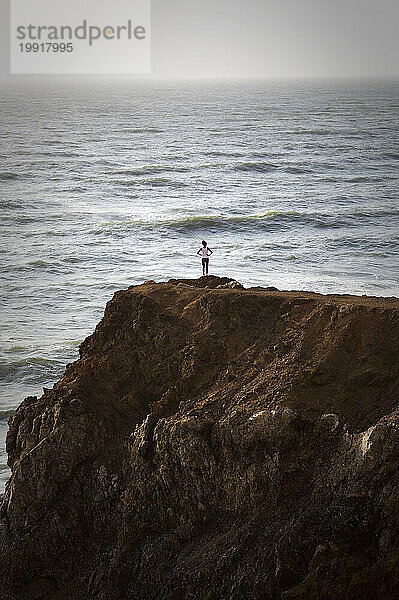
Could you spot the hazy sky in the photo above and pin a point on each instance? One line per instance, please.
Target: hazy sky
(266, 38)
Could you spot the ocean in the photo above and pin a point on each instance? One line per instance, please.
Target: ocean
(105, 185)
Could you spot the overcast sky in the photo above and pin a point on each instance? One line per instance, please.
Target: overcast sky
(266, 38)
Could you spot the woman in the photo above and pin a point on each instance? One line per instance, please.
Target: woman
(205, 252)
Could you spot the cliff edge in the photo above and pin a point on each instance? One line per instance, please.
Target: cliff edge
(212, 443)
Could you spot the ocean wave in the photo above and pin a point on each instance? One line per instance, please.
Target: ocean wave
(297, 170)
(151, 170)
(389, 245)
(366, 179)
(12, 219)
(31, 370)
(12, 204)
(5, 414)
(39, 263)
(266, 167)
(8, 176)
(301, 168)
(141, 130)
(391, 155)
(53, 142)
(14, 349)
(56, 154)
(268, 221)
(381, 213)
(328, 166)
(158, 182)
(256, 167)
(313, 132)
(217, 154)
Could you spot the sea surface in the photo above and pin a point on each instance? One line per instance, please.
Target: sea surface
(104, 185)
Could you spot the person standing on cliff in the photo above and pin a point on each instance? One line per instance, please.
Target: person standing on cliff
(205, 253)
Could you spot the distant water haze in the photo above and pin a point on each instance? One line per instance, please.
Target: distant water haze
(293, 185)
(265, 38)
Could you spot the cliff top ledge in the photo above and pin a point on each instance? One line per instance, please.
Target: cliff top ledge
(211, 282)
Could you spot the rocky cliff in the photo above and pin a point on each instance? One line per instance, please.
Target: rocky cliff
(212, 443)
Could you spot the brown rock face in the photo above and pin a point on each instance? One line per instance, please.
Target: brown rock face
(212, 443)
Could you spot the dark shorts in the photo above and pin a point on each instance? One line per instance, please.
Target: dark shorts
(205, 261)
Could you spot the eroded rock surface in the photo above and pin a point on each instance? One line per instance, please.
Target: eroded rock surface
(212, 443)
